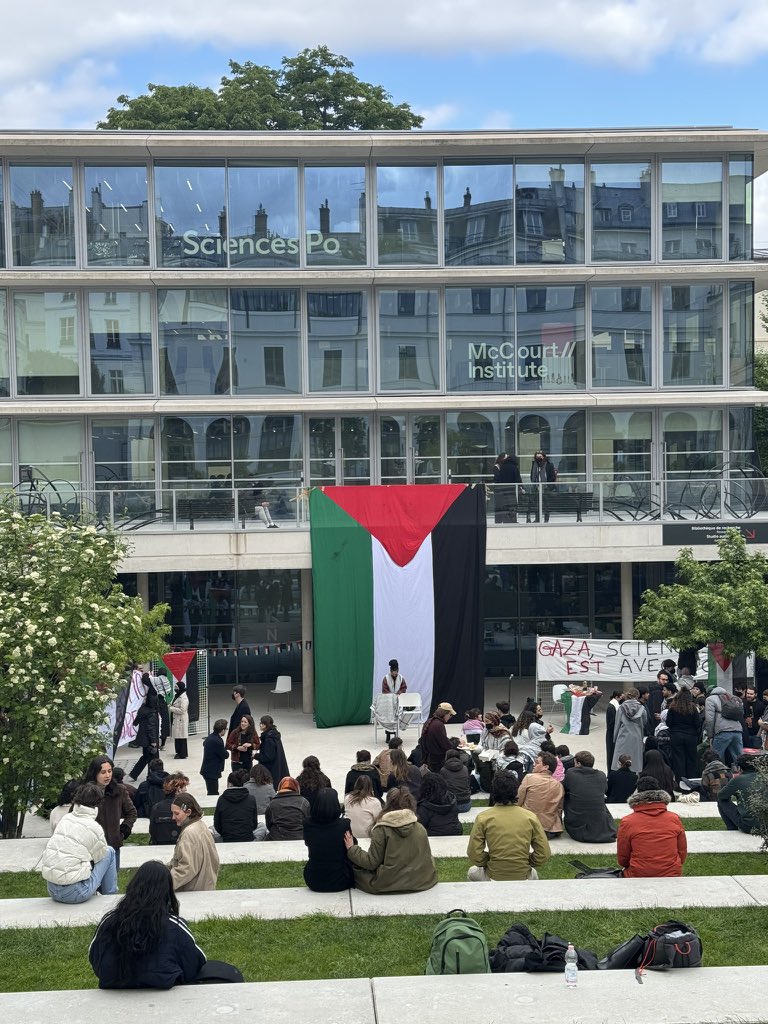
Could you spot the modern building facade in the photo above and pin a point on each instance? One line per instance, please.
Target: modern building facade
(193, 325)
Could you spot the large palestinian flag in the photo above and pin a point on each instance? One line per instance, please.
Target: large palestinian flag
(397, 573)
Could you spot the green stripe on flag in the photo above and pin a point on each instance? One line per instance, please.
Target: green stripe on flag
(342, 582)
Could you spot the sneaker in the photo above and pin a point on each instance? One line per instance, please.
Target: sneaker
(272, 526)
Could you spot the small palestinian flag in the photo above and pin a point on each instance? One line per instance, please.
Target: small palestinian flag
(397, 573)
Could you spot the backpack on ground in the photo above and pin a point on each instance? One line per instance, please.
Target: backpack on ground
(672, 944)
(731, 707)
(459, 946)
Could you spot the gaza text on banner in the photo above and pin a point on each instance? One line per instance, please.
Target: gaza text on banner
(571, 659)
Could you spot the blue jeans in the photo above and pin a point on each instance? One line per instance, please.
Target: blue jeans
(728, 746)
(103, 877)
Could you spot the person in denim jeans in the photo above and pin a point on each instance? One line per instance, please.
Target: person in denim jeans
(77, 861)
(725, 734)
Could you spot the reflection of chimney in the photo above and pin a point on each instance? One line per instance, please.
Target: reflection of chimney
(645, 185)
(325, 218)
(260, 223)
(36, 206)
(557, 175)
(593, 177)
(222, 223)
(427, 201)
(467, 197)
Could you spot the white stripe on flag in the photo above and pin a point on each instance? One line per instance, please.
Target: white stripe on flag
(404, 619)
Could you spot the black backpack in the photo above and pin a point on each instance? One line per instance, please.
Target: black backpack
(731, 707)
(672, 944)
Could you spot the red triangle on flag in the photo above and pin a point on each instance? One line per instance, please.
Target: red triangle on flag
(399, 516)
(178, 663)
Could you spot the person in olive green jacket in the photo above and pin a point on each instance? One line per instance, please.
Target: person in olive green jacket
(399, 858)
(507, 842)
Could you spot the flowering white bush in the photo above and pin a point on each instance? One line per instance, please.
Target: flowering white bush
(67, 634)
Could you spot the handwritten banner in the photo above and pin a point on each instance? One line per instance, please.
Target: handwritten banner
(571, 659)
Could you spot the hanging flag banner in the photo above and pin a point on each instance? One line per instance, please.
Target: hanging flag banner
(178, 662)
(570, 659)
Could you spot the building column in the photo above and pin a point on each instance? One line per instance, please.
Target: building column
(142, 588)
(627, 610)
(307, 633)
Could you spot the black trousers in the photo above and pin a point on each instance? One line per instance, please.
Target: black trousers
(684, 761)
(181, 748)
(147, 754)
(165, 722)
(212, 787)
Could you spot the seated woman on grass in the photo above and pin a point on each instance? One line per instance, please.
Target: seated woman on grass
(77, 861)
(328, 868)
(143, 943)
(399, 858)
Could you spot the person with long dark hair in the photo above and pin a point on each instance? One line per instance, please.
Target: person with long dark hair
(436, 808)
(116, 814)
(144, 943)
(243, 744)
(684, 721)
(328, 869)
(655, 767)
(271, 753)
(362, 807)
(311, 779)
(403, 774)
(147, 723)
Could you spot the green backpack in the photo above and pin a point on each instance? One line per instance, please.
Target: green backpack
(459, 946)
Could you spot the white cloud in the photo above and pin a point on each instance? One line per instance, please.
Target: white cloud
(496, 120)
(442, 116)
(78, 98)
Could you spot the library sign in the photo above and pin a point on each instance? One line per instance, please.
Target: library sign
(247, 245)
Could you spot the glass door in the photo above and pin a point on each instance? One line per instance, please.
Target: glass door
(339, 450)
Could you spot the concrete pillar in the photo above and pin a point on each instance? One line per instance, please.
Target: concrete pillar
(142, 586)
(627, 611)
(307, 633)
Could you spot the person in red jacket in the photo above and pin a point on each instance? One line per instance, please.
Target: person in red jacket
(651, 841)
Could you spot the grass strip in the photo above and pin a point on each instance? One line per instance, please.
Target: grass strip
(277, 950)
(287, 874)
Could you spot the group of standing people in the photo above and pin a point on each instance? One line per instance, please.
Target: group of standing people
(508, 487)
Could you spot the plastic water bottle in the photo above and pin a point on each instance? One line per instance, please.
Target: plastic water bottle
(571, 966)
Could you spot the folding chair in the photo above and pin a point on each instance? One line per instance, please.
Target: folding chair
(385, 714)
(410, 710)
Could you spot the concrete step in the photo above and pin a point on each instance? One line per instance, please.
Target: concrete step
(717, 995)
(24, 854)
(555, 894)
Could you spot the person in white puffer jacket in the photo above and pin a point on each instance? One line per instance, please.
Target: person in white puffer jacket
(77, 861)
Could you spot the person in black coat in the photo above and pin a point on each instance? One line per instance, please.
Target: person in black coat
(151, 790)
(363, 766)
(236, 817)
(215, 756)
(147, 734)
(436, 809)
(271, 753)
(610, 724)
(456, 776)
(506, 479)
(241, 707)
(328, 869)
(622, 782)
(585, 816)
(163, 830)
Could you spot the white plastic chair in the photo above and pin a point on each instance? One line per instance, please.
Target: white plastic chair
(282, 686)
(557, 694)
(410, 709)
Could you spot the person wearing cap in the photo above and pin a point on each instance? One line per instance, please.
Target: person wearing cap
(434, 738)
(393, 682)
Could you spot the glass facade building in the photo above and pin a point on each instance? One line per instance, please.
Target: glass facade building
(234, 319)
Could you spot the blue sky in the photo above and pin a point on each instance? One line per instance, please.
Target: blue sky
(462, 63)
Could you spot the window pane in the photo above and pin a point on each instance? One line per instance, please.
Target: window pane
(51, 449)
(120, 326)
(480, 339)
(693, 443)
(409, 340)
(265, 348)
(190, 218)
(5, 376)
(691, 210)
(42, 204)
(407, 220)
(116, 216)
(2, 222)
(338, 341)
(740, 208)
(355, 450)
(124, 454)
(471, 447)
(561, 435)
(6, 466)
(621, 448)
(194, 343)
(742, 341)
(550, 338)
(47, 335)
(550, 213)
(478, 215)
(263, 216)
(621, 337)
(195, 450)
(621, 211)
(427, 448)
(334, 208)
(693, 334)
(742, 446)
(268, 466)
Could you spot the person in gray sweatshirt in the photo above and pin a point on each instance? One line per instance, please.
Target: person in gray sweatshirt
(723, 720)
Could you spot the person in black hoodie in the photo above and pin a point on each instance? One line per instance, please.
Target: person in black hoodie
(143, 943)
(456, 777)
(147, 734)
(622, 782)
(163, 830)
(363, 766)
(437, 810)
(215, 756)
(328, 869)
(271, 753)
(151, 790)
(236, 817)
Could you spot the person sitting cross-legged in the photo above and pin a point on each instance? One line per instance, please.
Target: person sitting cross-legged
(541, 793)
(585, 816)
(507, 842)
(77, 861)
(651, 841)
(733, 798)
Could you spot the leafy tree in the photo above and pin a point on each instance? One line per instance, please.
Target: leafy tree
(67, 633)
(315, 90)
(723, 601)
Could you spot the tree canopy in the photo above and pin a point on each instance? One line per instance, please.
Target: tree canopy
(316, 90)
(712, 602)
(67, 634)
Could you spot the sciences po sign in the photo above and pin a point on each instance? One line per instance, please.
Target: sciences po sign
(195, 245)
